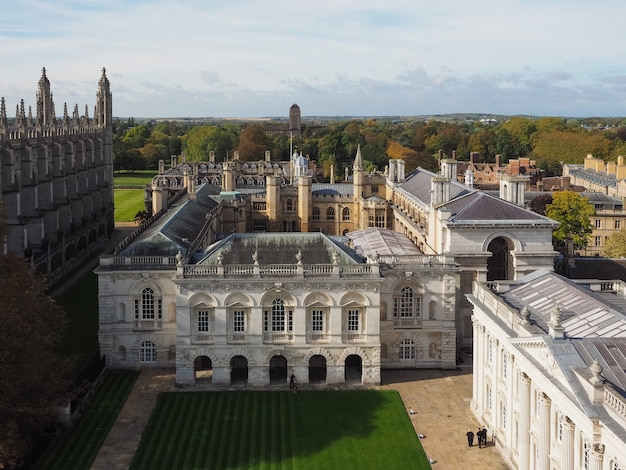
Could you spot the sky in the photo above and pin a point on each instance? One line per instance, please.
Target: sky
(255, 58)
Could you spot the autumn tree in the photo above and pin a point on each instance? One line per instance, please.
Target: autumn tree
(615, 245)
(538, 204)
(574, 212)
(35, 376)
(252, 143)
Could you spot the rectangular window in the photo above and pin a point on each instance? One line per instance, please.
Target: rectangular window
(618, 224)
(380, 219)
(597, 241)
(317, 318)
(239, 321)
(278, 321)
(503, 415)
(353, 320)
(505, 365)
(203, 321)
(598, 223)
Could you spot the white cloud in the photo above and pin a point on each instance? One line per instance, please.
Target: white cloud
(248, 58)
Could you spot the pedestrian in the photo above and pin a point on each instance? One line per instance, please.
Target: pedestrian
(484, 432)
(479, 435)
(292, 381)
(470, 437)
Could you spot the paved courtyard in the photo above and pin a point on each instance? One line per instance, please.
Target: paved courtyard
(440, 400)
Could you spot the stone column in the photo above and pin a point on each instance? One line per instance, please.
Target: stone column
(524, 421)
(544, 432)
(567, 443)
(477, 358)
(596, 455)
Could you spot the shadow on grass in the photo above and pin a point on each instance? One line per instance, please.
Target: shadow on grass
(266, 429)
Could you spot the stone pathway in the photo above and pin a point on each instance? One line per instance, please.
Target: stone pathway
(439, 398)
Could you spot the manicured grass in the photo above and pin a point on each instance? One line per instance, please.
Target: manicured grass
(127, 203)
(276, 430)
(138, 178)
(78, 447)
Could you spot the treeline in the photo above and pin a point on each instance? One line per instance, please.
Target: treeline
(547, 140)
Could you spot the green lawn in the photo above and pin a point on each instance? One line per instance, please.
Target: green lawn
(127, 203)
(138, 178)
(276, 430)
(78, 447)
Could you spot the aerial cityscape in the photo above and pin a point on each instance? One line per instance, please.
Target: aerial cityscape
(320, 236)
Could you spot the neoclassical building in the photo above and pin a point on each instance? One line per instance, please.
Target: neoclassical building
(56, 180)
(549, 378)
(247, 272)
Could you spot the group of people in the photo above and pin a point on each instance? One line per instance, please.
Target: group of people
(481, 435)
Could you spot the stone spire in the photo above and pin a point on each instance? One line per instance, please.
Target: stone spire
(3, 112)
(104, 107)
(45, 107)
(358, 160)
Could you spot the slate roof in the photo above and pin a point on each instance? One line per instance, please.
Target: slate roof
(177, 228)
(278, 248)
(468, 205)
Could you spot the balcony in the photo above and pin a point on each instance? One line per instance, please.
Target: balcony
(202, 338)
(147, 325)
(278, 338)
(411, 322)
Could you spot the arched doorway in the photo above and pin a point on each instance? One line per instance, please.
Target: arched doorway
(278, 370)
(317, 369)
(239, 370)
(498, 265)
(203, 369)
(353, 369)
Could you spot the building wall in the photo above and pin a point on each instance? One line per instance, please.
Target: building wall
(56, 183)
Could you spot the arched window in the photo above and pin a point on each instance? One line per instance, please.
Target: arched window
(147, 352)
(278, 319)
(148, 310)
(330, 213)
(345, 214)
(316, 213)
(407, 349)
(407, 308)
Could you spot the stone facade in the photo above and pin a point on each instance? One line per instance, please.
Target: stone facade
(397, 254)
(548, 381)
(56, 184)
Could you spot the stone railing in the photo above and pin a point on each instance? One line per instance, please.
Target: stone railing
(615, 403)
(279, 270)
(137, 262)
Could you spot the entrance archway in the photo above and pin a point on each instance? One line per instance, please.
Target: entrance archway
(203, 369)
(239, 370)
(278, 370)
(499, 264)
(353, 369)
(317, 369)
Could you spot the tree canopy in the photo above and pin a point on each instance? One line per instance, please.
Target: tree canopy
(615, 245)
(35, 376)
(574, 213)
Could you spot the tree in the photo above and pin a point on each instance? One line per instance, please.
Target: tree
(574, 213)
(615, 245)
(538, 204)
(253, 143)
(35, 376)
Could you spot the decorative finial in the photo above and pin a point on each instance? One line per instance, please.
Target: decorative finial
(525, 313)
(299, 256)
(596, 369)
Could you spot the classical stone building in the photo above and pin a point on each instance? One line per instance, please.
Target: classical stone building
(549, 380)
(56, 184)
(248, 272)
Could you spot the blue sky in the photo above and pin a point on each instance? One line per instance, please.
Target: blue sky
(253, 58)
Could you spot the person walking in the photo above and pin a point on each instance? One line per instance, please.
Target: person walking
(479, 435)
(470, 437)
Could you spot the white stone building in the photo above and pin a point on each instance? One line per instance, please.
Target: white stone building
(550, 371)
(408, 249)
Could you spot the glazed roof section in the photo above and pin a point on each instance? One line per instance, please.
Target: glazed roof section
(177, 228)
(278, 248)
(375, 241)
(468, 205)
(610, 354)
(585, 314)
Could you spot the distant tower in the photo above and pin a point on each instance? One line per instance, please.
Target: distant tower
(295, 122)
(45, 106)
